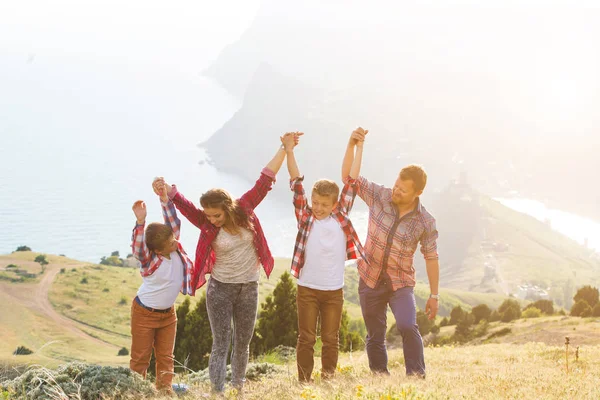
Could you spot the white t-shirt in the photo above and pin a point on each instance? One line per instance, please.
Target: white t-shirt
(160, 289)
(325, 256)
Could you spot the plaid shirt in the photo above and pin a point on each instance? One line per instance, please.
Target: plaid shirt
(392, 241)
(205, 254)
(151, 261)
(305, 219)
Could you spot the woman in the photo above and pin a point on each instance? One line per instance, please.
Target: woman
(231, 248)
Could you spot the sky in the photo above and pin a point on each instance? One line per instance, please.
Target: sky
(140, 34)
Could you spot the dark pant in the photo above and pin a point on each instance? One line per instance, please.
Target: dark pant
(312, 303)
(373, 303)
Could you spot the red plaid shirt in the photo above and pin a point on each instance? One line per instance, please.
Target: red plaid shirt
(305, 219)
(392, 241)
(205, 254)
(151, 261)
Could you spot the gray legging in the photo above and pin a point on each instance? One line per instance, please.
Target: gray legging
(224, 302)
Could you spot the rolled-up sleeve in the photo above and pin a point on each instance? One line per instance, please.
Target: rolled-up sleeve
(429, 241)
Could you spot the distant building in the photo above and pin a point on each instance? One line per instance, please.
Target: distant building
(532, 292)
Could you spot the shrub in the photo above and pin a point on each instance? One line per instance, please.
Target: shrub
(463, 332)
(495, 316)
(254, 372)
(62, 270)
(589, 294)
(41, 259)
(581, 309)
(481, 328)
(10, 266)
(499, 333)
(83, 280)
(123, 301)
(532, 312)
(424, 323)
(106, 289)
(123, 352)
(509, 310)
(509, 315)
(444, 322)
(435, 329)
(81, 381)
(23, 248)
(596, 310)
(482, 311)
(456, 315)
(22, 351)
(545, 306)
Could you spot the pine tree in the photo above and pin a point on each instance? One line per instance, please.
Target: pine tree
(587, 293)
(194, 341)
(350, 340)
(278, 318)
(182, 316)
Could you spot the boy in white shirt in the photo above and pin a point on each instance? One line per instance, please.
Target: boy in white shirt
(325, 240)
(166, 270)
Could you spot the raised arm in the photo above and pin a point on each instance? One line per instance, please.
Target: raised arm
(289, 141)
(357, 135)
(138, 244)
(168, 208)
(193, 214)
(350, 184)
(253, 197)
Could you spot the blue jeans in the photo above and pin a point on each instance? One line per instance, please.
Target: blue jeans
(373, 303)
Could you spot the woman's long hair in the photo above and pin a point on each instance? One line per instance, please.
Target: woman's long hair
(220, 198)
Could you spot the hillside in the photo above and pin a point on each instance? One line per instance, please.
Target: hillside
(80, 311)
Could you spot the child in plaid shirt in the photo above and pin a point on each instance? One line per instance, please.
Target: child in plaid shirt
(166, 270)
(325, 240)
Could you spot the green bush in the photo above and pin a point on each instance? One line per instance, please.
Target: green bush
(545, 306)
(495, 316)
(581, 309)
(123, 352)
(481, 328)
(482, 311)
(11, 266)
(499, 333)
(23, 248)
(531, 312)
(22, 351)
(589, 294)
(509, 310)
(83, 280)
(254, 372)
(62, 270)
(123, 301)
(79, 381)
(106, 289)
(41, 259)
(456, 315)
(596, 310)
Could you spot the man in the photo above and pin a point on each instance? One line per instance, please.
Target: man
(398, 222)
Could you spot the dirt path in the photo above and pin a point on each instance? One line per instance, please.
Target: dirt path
(35, 297)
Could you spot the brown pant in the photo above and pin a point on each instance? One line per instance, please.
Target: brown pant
(153, 329)
(312, 303)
